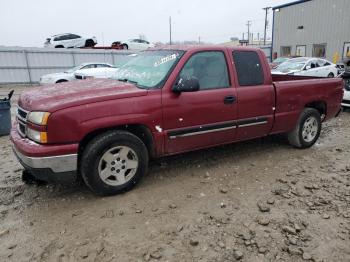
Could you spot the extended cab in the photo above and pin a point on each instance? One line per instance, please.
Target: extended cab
(165, 101)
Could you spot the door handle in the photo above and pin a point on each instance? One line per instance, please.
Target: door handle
(229, 100)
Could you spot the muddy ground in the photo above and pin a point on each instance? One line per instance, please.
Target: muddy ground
(255, 201)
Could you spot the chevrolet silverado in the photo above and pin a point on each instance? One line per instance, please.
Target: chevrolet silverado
(165, 101)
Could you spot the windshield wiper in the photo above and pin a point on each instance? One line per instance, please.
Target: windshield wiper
(127, 80)
(133, 82)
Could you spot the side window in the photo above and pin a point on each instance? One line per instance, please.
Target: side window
(72, 36)
(249, 68)
(65, 37)
(209, 68)
(102, 65)
(326, 63)
(312, 64)
(89, 66)
(59, 38)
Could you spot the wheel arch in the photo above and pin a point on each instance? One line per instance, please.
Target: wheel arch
(89, 42)
(61, 81)
(320, 106)
(139, 130)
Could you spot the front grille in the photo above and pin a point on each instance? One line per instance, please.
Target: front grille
(22, 121)
(345, 101)
(22, 113)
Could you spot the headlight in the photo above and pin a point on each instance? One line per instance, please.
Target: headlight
(38, 118)
(37, 136)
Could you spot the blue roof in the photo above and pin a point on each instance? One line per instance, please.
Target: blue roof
(289, 4)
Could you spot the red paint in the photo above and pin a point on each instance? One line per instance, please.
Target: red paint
(80, 108)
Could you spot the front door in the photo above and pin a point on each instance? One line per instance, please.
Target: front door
(205, 117)
(312, 68)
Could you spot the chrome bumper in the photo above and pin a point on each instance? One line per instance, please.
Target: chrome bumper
(58, 164)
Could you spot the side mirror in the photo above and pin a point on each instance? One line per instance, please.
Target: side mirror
(307, 67)
(190, 84)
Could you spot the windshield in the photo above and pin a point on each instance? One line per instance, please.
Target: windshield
(72, 70)
(296, 64)
(148, 68)
(280, 60)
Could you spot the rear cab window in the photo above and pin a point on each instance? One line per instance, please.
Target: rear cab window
(249, 68)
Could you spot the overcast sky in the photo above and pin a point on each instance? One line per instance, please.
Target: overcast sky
(29, 23)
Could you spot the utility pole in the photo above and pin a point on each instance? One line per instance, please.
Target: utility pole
(266, 13)
(199, 40)
(170, 29)
(249, 23)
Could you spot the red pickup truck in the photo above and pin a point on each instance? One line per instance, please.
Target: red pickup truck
(164, 101)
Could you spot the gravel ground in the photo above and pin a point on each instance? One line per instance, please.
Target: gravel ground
(260, 200)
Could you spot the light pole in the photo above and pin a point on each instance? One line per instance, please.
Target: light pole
(266, 13)
(249, 23)
(170, 30)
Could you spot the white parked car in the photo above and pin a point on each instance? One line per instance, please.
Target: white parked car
(305, 66)
(346, 99)
(69, 74)
(70, 41)
(136, 44)
(95, 73)
(103, 72)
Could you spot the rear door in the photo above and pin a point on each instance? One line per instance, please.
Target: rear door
(328, 69)
(255, 95)
(206, 117)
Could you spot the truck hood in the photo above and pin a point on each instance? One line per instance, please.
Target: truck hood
(51, 98)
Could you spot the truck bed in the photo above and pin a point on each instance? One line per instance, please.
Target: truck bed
(281, 78)
(325, 91)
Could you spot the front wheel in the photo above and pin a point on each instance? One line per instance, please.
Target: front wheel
(307, 130)
(114, 162)
(330, 75)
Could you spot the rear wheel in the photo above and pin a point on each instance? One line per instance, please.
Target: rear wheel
(330, 75)
(125, 46)
(114, 162)
(307, 130)
(89, 43)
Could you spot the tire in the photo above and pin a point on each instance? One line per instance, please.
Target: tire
(330, 75)
(61, 81)
(105, 161)
(89, 43)
(307, 130)
(59, 46)
(125, 46)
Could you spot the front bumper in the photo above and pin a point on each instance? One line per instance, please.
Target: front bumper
(46, 162)
(58, 164)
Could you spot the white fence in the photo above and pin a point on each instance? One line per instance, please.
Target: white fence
(27, 65)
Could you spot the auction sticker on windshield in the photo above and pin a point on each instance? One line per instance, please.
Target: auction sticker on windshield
(166, 59)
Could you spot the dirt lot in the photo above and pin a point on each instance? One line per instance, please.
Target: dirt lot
(255, 201)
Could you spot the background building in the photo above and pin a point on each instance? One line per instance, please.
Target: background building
(319, 28)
